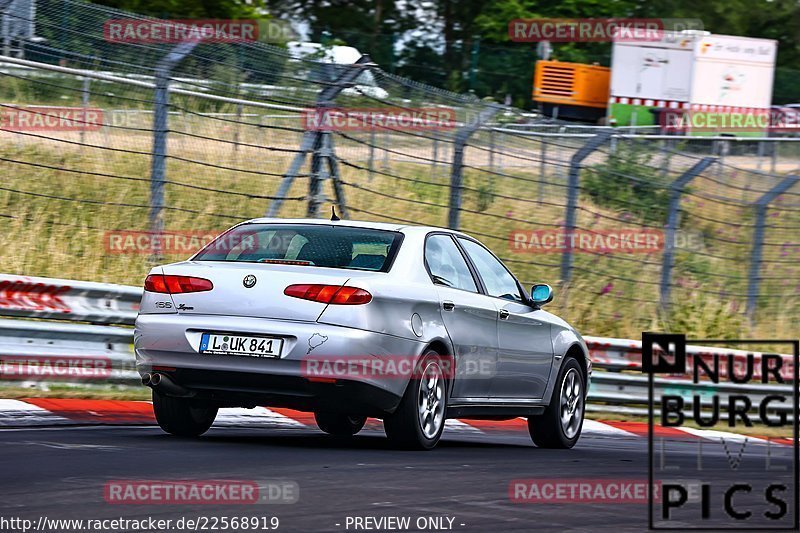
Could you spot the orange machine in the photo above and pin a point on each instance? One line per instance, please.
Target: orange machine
(571, 90)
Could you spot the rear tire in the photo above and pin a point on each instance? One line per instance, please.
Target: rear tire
(561, 423)
(183, 417)
(418, 422)
(340, 425)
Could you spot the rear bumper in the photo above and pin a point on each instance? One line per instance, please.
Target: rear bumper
(171, 342)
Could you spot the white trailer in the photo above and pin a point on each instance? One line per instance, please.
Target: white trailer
(733, 72)
(690, 70)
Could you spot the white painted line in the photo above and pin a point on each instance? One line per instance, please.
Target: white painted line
(256, 417)
(19, 413)
(714, 435)
(457, 426)
(593, 427)
(18, 405)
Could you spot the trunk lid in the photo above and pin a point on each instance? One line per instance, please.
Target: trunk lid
(264, 299)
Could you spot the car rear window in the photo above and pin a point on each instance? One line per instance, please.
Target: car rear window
(306, 244)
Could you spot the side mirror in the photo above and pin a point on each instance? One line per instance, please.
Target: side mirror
(541, 294)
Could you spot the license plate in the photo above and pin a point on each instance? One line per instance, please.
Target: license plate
(225, 344)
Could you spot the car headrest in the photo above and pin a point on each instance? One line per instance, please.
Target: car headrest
(370, 261)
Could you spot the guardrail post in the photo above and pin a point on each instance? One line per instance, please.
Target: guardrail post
(457, 170)
(313, 143)
(542, 159)
(762, 204)
(676, 189)
(159, 159)
(572, 196)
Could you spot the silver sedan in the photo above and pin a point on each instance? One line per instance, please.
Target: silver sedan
(349, 320)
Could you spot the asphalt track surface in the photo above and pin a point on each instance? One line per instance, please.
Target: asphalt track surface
(60, 472)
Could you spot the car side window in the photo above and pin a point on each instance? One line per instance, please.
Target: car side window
(498, 280)
(446, 264)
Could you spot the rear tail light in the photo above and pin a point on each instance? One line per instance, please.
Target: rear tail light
(329, 294)
(167, 284)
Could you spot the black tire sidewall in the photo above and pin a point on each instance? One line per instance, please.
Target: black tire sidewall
(182, 416)
(340, 425)
(430, 356)
(406, 417)
(550, 421)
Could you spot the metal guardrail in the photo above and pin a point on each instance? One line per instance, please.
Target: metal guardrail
(106, 354)
(82, 301)
(625, 354)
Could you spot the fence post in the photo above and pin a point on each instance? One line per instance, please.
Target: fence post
(774, 156)
(676, 189)
(159, 159)
(371, 160)
(313, 142)
(318, 175)
(723, 148)
(457, 170)
(759, 153)
(572, 196)
(491, 149)
(237, 130)
(386, 143)
(434, 172)
(87, 81)
(762, 205)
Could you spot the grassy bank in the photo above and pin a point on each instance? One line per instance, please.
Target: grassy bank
(61, 201)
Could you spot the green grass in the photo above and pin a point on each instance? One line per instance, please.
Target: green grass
(46, 234)
(50, 390)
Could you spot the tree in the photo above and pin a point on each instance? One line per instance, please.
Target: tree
(433, 40)
(199, 9)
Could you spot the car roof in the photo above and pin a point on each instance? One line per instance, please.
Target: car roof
(387, 226)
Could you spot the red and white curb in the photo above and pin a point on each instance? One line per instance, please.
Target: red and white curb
(33, 412)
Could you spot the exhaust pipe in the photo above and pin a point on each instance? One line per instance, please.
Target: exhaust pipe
(164, 384)
(146, 378)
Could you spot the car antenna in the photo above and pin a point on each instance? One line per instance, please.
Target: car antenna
(334, 218)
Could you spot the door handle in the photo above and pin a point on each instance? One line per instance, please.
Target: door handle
(448, 306)
(503, 314)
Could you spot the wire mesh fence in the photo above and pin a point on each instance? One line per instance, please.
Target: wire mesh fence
(638, 230)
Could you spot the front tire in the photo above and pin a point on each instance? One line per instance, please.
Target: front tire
(183, 417)
(339, 425)
(561, 423)
(418, 422)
